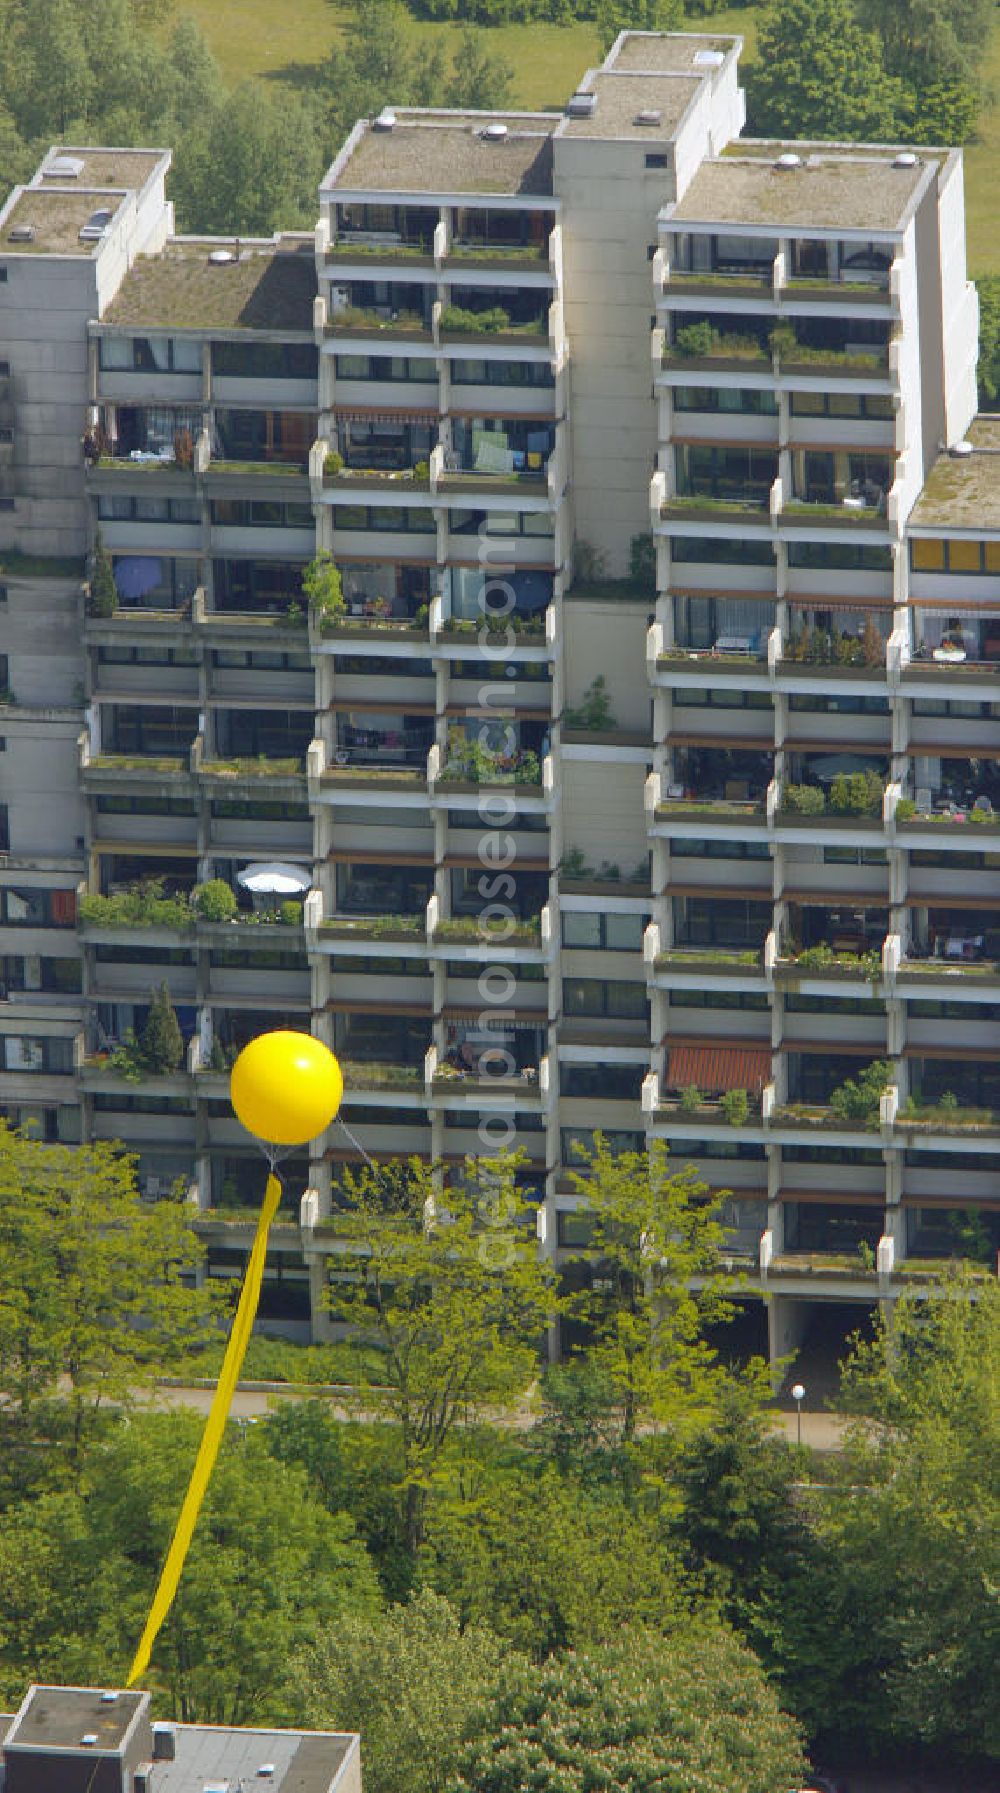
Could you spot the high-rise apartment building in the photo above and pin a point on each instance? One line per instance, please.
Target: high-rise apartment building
(670, 636)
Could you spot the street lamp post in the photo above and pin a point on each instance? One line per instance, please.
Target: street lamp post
(798, 1396)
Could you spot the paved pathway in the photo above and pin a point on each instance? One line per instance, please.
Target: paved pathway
(821, 1431)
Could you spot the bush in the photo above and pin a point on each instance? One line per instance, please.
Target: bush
(735, 1106)
(858, 1098)
(690, 1099)
(333, 462)
(422, 470)
(783, 340)
(906, 809)
(291, 913)
(215, 901)
(476, 323)
(696, 339)
(804, 799)
(642, 562)
(594, 713)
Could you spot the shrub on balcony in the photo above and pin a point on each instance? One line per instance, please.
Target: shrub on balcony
(333, 462)
(162, 1041)
(215, 901)
(906, 809)
(804, 799)
(858, 1098)
(735, 1106)
(103, 590)
(594, 713)
(857, 794)
(696, 339)
(323, 587)
(475, 323)
(144, 906)
(690, 1099)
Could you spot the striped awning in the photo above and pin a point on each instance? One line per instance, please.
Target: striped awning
(715, 1069)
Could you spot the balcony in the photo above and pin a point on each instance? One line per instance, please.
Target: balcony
(707, 344)
(710, 961)
(399, 929)
(377, 1075)
(520, 321)
(751, 511)
(834, 654)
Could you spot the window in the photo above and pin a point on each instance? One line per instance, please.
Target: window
(839, 706)
(579, 1142)
(502, 373)
(610, 933)
(841, 404)
(748, 1000)
(725, 398)
(7, 504)
(615, 1000)
(6, 433)
(688, 549)
(849, 556)
(265, 360)
(953, 554)
(4, 370)
(611, 1083)
(500, 523)
(657, 159)
(386, 367)
(150, 354)
(719, 849)
(379, 517)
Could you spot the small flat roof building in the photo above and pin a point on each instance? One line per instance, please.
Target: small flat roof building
(93, 1740)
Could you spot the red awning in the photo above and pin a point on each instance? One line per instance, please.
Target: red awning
(718, 1068)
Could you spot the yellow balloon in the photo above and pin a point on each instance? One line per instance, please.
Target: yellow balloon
(286, 1087)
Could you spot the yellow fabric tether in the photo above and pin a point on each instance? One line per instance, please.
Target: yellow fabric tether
(211, 1438)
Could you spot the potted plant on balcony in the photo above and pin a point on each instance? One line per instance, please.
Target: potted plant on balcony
(103, 590)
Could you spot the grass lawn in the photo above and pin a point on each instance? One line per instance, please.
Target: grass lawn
(262, 37)
(282, 41)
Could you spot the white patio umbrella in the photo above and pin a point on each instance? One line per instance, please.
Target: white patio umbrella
(273, 878)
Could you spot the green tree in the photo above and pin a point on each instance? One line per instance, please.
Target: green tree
(268, 1573)
(989, 339)
(819, 73)
(613, 16)
(480, 80)
(54, 81)
(887, 1629)
(95, 1285)
(412, 1681)
(926, 41)
(323, 587)
(546, 1559)
(655, 1232)
(643, 1712)
(162, 1040)
(450, 1287)
(253, 163)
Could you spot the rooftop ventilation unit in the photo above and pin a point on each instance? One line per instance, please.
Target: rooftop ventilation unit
(386, 120)
(495, 133)
(648, 118)
(788, 159)
(709, 58)
(582, 105)
(905, 159)
(961, 450)
(21, 233)
(63, 168)
(88, 1739)
(220, 258)
(265, 1771)
(109, 1699)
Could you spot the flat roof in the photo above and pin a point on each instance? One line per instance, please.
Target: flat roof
(106, 167)
(621, 96)
(303, 1762)
(56, 217)
(59, 1717)
(666, 52)
(829, 191)
(963, 491)
(269, 285)
(449, 153)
